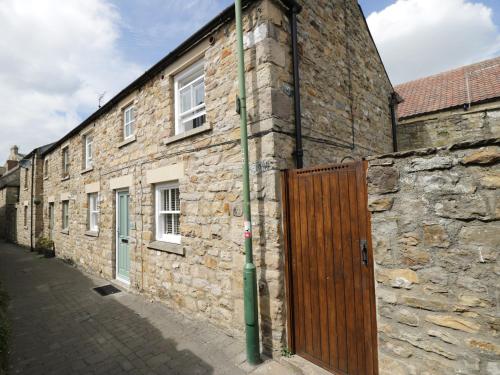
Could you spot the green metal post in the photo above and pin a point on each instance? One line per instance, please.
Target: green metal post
(249, 271)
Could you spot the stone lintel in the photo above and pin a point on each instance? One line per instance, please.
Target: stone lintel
(92, 188)
(121, 182)
(169, 173)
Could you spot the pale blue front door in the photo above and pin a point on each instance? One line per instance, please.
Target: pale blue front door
(123, 228)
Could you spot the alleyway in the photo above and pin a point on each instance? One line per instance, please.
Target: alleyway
(61, 326)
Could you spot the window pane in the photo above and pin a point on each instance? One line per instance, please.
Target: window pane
(185, 96)
(169, 226)
(176, 218)
(199, 93)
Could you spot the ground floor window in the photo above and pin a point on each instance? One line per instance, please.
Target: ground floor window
(25, 216)
(168, 213)
(93, 213)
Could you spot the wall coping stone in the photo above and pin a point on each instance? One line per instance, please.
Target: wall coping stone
(435, 150)
(167, 247)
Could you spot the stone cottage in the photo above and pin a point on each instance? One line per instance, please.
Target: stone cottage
(147, 190)
(29, 222)
(458, 105)
(9, 194)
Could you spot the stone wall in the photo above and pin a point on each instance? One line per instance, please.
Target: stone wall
(344, 88)
(8, 200)
(436, 236)
(449, 127)
(23, 230)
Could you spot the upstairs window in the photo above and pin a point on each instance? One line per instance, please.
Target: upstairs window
(65, 215)
(26, 176)
(168, 213)
(93, 213)
(88, 150)
(190, 112)
(65, 162)
(128, 121)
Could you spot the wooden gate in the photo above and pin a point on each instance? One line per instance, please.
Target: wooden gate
(329, 265)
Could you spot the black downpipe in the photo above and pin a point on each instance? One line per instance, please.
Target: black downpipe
(299, 152)
(392, 104)
(32, 196)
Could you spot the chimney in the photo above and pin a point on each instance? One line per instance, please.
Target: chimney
(14, 153)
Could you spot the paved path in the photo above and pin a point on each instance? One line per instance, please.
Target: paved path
(61, 326)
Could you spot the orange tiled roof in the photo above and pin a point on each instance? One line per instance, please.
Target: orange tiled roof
(467, 84)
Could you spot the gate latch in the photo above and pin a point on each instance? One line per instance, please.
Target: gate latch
(363, 244)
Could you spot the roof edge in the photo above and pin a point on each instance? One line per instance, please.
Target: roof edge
(222, 18)
(479, 102)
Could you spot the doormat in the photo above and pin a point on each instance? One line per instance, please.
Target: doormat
(107, 290)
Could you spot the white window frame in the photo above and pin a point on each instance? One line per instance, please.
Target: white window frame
(88, 150)
(93, 212)
(65, 215)
(160, 214)
(129, 126)
(197, 67)
(65, 161)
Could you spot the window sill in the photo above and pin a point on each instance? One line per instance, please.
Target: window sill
(92, 233)
(25, 227)
(167, 247)
(86, 170)
(127, 141)
(45, 177)
(189, 133)
(65, 231)
(65, 178)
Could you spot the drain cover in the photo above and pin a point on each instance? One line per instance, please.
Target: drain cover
(107, 290)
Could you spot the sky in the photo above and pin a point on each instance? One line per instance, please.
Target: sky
(58, 57)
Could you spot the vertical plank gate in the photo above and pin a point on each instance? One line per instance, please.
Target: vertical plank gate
(330, 284)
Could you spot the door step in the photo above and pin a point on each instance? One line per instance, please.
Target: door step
(303, 366)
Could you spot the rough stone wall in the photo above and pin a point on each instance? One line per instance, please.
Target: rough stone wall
(344, 88)
(8, 200)
(436, 236)
(449, 127)
(25, 187)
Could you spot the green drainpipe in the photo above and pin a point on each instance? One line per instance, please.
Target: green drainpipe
(249, 271)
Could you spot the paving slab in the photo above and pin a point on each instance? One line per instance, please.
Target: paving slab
(60, 325)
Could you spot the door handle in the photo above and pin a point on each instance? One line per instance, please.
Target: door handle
(124, 240)
(363, 244)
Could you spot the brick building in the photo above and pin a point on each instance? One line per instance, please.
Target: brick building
(147, 191)
(459, 105)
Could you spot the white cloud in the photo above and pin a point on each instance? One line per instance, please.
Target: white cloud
(417, 38)
(55, 58)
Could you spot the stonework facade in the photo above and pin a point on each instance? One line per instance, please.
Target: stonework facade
(202, 276)
(449, 127)
(30, 203)
(436, 235)
(8, 212)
